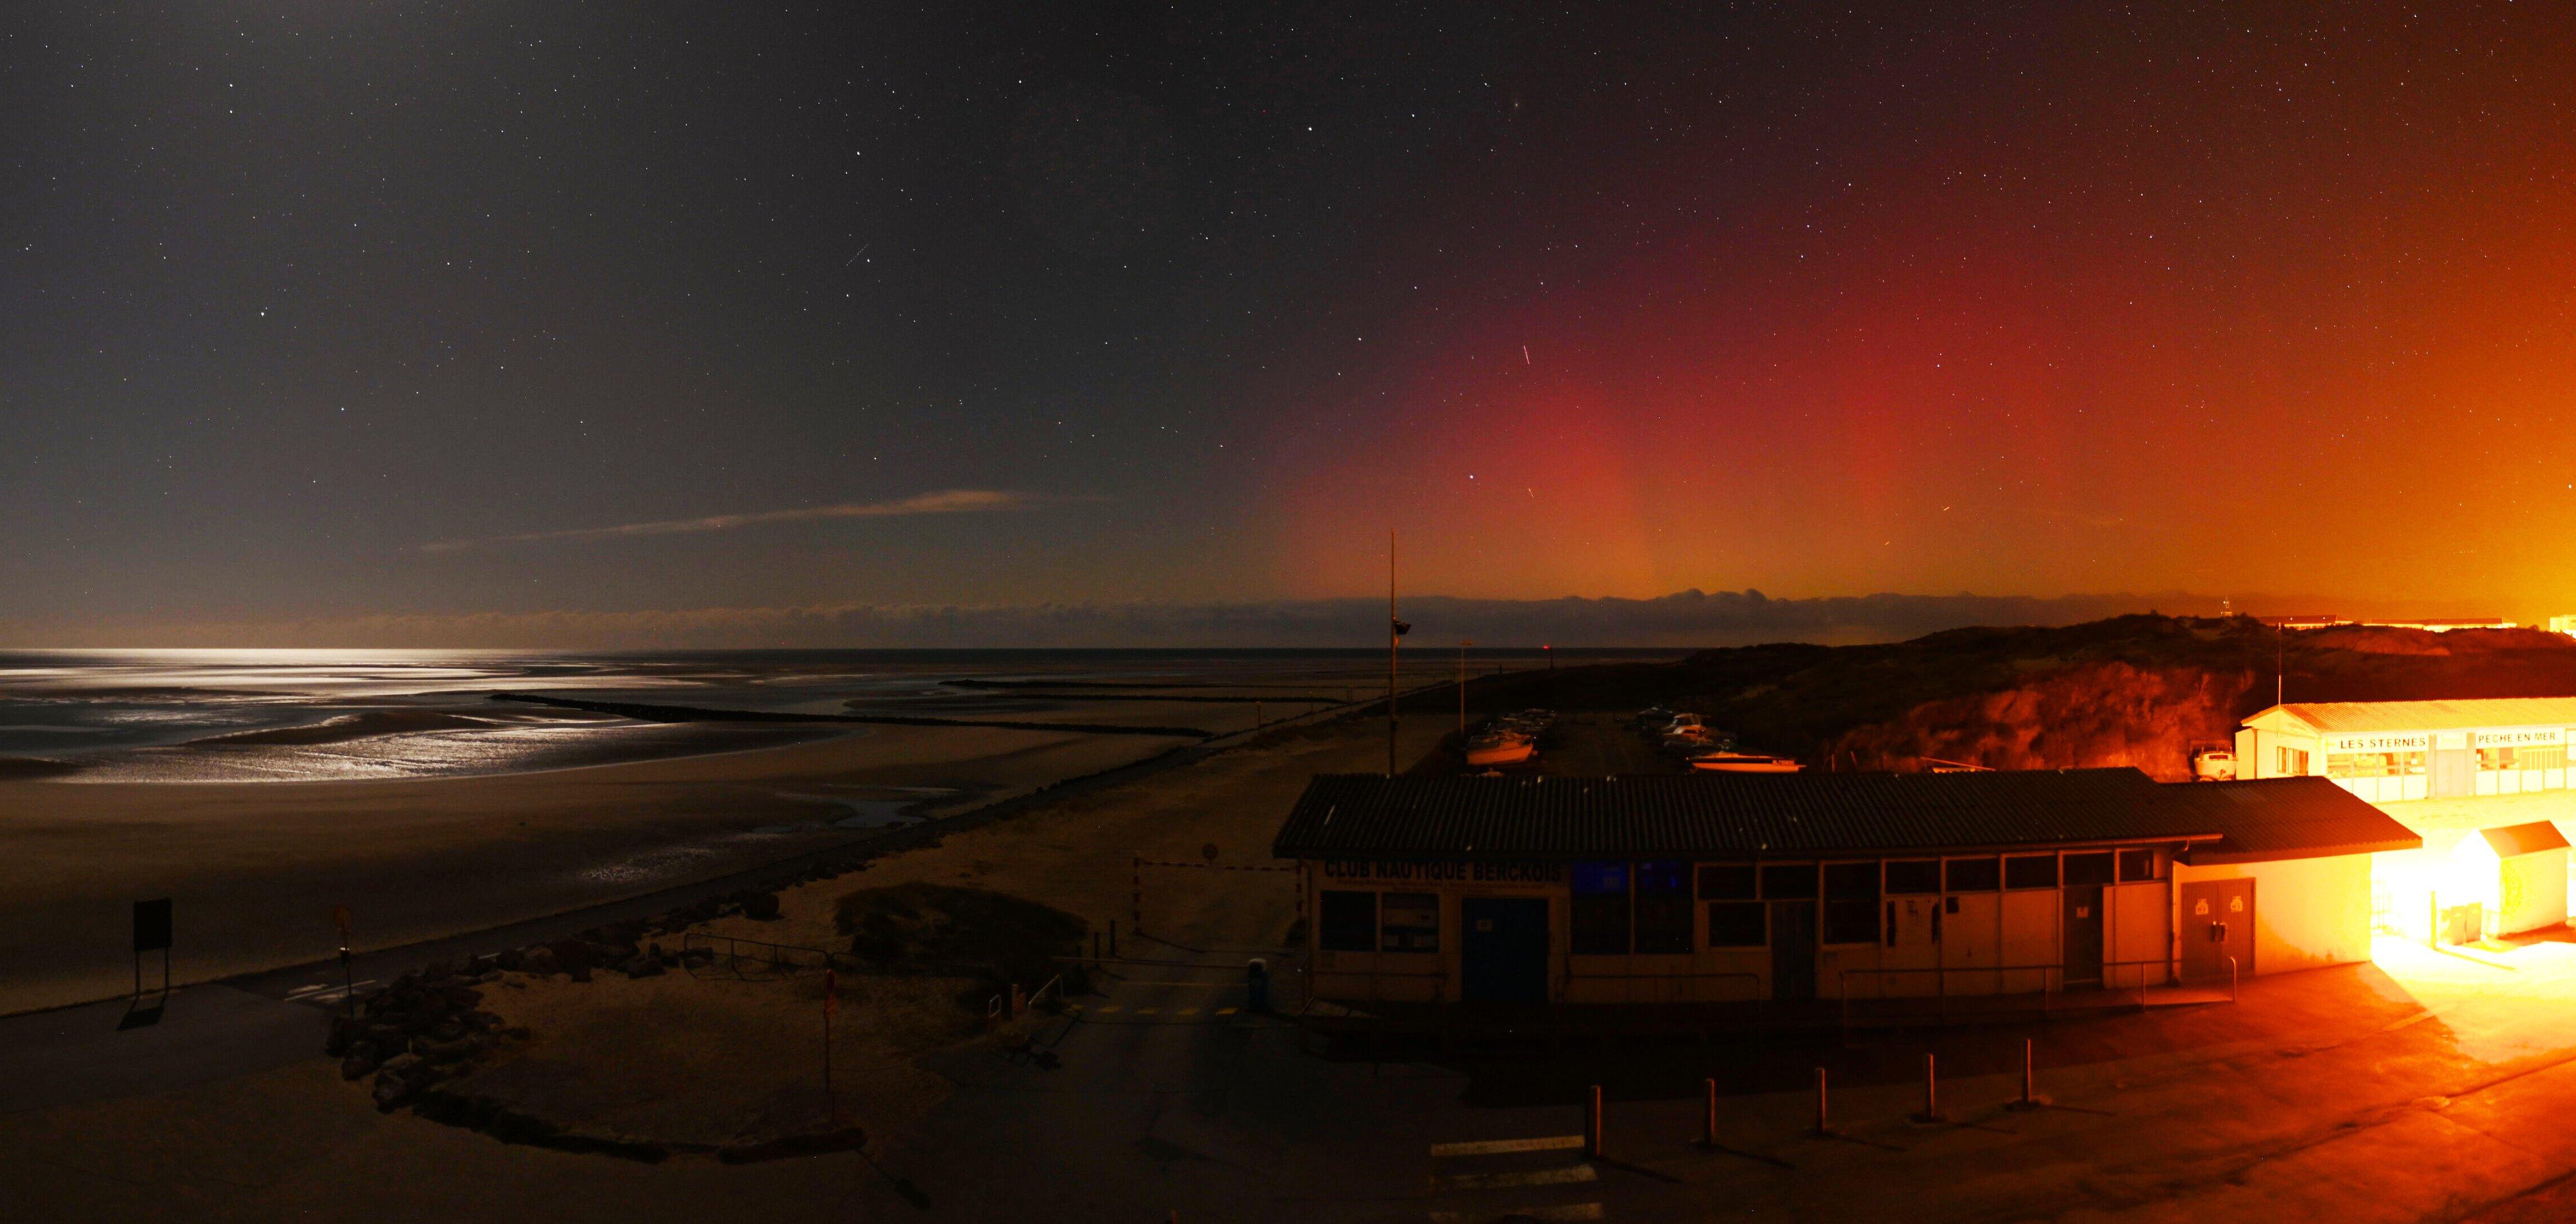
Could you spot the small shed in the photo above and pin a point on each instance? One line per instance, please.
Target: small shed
(2522, 870)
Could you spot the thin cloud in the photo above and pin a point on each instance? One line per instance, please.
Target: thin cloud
(950, 501)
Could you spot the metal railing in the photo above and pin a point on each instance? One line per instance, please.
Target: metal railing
(2151, 974)
(760, 960)
(757, 959)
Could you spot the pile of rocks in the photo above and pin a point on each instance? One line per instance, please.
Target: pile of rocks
(427, 1027)
(424, 1028)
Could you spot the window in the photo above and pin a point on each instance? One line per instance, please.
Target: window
(1789, 881)
(1599, 922)
(2139, 865)
(1736, 924)
(1726, 882)
(2090, 868)
(2293, 762)
(1971, 875)
(1914, 877)
(1663, 907)
(1347, 921)
(1411, 922)
(2031, 871)
(1851, 903)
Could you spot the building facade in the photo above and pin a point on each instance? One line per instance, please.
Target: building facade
(2395, 751)
(1714, 888)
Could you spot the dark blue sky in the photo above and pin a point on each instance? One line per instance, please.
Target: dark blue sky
(476, 320)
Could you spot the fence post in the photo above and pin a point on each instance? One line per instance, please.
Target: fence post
(1592, 1125)
(1824, 1125)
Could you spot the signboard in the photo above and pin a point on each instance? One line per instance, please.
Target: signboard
(152, 925)
(1459, 873)
(2521, 737)
(2374, 741)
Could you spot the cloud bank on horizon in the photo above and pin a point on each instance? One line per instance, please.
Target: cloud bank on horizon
(1683, 620)
(947, 501)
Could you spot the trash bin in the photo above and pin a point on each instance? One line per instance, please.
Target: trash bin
(1256, 985)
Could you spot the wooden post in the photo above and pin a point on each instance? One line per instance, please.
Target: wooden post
(1823, 1126)
(1592, 1125)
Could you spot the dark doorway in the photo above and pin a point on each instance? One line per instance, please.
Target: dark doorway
(2217, 923)
(1504, 953)
(1793, 949)
(2083, 935)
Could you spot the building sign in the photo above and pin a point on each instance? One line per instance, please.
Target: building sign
(1456, 873)
(2378, 742)
(2522, 737)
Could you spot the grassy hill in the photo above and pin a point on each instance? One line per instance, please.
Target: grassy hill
(2131, 690)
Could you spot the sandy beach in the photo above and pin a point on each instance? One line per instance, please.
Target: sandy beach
(254, 869)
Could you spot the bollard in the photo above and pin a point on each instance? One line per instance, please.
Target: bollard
(2030, 1098)
(1823, 1125)
(1592, 1125)
(1931, 1094)
(1708, 1132)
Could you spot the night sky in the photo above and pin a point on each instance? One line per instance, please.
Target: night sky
(478, 323)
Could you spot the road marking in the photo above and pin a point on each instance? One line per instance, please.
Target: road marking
(1144, 1011)
(1565, 1176)
(1108, 1008)
(1570, 1211)
(1225, 1011)
(1187, 1011)
(1490, 1147)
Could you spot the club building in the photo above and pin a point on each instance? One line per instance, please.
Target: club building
(1706, 888)
(2481, 781)
(2394, 751)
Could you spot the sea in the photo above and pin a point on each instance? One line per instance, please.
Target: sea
(207, 716)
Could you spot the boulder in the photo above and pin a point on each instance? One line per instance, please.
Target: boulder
(760, 906)
(581, 974)
(540, 961)
(644, 967)
(356, 1067)
(508, 960)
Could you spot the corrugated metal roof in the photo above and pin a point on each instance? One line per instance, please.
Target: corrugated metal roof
(1374, 816)
(2511, 840)
(2288, 818)
(2462, 714)
(1371, 815)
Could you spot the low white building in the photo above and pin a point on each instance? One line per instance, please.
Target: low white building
(2483, 781)
(2394, 751)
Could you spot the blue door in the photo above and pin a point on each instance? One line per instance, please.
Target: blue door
(1504, 950)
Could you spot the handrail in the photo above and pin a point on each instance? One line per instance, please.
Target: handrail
(770, 957)
(2045, 991)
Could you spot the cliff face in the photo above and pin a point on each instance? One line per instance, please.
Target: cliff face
(2089, 714)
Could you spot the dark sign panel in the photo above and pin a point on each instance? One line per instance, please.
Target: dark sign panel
(152, 925)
